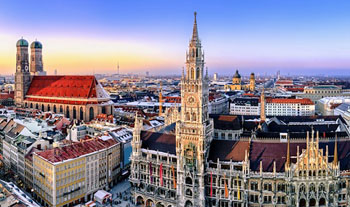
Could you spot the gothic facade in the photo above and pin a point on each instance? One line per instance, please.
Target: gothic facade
(184, 165)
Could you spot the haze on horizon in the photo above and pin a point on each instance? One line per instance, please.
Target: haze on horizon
(82, 37)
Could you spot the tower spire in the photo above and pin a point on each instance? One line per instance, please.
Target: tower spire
(262, 105)
(161, 99)
(195, 30)
(335, 160)
(288, 152)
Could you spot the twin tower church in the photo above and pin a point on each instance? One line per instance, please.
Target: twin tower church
(75, 96)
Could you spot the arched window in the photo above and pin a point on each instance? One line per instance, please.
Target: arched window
(188, 116)
(197, 73)
(81, 113)
(67, 112)
(61, 109)
(37, 106)
(188, 192)
(188, 204)
(194, 117)
(48, 107)
(54, 109)
(74, 112)
(188, 181)
(91, 113)
(31, 105)
(103, 109)
(42, 107)
(192, 73)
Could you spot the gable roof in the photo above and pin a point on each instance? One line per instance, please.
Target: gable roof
(77, 87)
(159, 142)
(268, 152)
(226, 150)
(76, 149)
(226, 122)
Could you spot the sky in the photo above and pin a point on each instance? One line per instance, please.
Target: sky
(261, 36)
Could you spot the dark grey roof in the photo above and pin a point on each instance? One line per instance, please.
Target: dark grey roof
(159, 142)
(246, 101)
(226, 122)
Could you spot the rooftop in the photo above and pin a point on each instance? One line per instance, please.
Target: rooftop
(76, 149)
(81, 87)
(159, 142)
(302, 101)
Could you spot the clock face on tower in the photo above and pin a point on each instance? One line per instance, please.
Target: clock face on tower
(191, 100)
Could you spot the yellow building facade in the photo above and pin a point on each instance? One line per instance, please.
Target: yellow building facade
(238, 85)
(70, 175)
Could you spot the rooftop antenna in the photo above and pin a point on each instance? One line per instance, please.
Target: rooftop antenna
(118, 67)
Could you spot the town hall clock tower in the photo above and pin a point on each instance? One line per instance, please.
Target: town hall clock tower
(194, 129)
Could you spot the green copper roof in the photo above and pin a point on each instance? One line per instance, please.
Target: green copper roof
(22, 43)
(36, 44)
(237, 75)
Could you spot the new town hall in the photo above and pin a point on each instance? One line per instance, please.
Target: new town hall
(197, 159)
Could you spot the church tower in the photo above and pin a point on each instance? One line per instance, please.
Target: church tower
(22, 76)
(36, 61)
(194, 129)
(262, 105)
(252, 82)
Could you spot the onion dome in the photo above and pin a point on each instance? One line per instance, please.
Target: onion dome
(237, 75)
(22, 43)
(36, 45)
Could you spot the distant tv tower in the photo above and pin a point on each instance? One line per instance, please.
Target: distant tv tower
(118, 68)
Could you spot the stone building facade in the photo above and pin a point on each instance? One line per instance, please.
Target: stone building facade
(185, 165)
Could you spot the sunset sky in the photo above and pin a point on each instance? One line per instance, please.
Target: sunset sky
(84, 36)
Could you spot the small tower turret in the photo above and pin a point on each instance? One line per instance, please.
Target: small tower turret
(160, 100)
(252, 82)
(262, 105)
(236, 80)
(136, 140)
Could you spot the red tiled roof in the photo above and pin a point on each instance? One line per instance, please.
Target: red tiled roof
(7, 95)
(75, 150)
(172, 99)
(284, 82)
(295, 89)
(63, 86)
(302, 101)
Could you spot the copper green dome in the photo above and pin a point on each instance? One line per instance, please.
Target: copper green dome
(22, 43)
(237, 75)
(36, 45)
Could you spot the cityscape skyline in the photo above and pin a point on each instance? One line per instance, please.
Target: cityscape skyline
(293, 37)
(156, 133)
